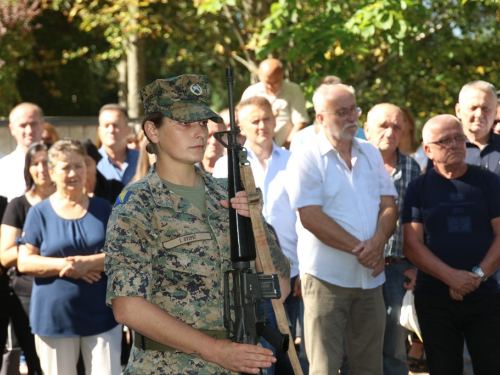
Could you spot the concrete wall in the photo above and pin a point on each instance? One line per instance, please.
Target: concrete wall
(67, 127)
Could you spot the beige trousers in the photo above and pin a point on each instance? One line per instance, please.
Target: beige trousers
(331, 313)
(101, 353)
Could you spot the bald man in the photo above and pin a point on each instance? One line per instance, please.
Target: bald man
(26, 127)
(286, 98)
(451, 221)
(383, 128)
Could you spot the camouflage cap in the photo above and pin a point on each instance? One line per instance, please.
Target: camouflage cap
(185, 98)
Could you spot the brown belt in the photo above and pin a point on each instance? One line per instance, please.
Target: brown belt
(144, 343)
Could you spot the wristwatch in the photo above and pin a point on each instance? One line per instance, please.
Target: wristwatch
(478, 271)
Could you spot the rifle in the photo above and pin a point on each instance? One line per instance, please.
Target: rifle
(249, 288)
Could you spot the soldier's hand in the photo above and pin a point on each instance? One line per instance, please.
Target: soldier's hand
(243, 358)
(240, 203)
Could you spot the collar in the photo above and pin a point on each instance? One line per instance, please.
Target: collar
(215, 192)
(275, 150)
(491, 139)
(325, 146)
(262, 90)
(105, 155)
(398, 169)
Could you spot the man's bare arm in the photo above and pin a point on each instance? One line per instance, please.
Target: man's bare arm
(421, 256)
(491, 261)
(327, 230)
(370, 252)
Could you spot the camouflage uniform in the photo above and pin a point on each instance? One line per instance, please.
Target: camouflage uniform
(162, 248)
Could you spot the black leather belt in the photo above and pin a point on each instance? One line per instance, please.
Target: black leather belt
(144, 343)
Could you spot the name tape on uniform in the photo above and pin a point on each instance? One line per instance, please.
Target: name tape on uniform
(186, 239)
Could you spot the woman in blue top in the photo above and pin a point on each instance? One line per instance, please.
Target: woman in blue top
(61, 243)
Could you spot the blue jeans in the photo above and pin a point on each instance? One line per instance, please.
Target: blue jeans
(292, 306)
(395, 334)
(272, 321)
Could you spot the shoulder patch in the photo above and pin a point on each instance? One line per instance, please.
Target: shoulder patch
(123, 197)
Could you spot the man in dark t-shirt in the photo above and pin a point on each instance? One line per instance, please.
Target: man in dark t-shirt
(451, 218)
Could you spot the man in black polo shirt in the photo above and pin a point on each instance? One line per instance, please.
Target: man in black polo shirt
(451, 224)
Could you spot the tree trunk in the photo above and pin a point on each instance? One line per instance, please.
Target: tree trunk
(121, 67)
(136, 76)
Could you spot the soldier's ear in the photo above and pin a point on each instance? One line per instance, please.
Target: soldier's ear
(151, 131)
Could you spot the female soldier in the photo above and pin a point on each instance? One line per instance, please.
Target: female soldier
(167, 245)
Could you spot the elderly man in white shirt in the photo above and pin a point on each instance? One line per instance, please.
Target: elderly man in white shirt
(26, 126)
(347, 210)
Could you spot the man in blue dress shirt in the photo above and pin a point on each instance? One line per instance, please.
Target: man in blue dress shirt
(118, 162)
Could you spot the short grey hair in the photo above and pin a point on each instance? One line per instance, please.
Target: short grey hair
(64, 146)
(322, 94)
(477, 85)
(114, 107)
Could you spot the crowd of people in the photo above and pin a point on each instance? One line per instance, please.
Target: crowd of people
(113, 253)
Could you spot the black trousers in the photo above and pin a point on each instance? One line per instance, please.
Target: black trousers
(446, 323)
(19, 310)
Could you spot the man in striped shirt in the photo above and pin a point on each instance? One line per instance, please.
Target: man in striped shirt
(383, 128)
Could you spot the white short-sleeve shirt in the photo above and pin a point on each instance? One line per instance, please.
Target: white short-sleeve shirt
(276, 210)
(317, 175)
(13, 184)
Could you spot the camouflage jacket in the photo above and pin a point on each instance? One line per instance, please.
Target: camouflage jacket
(162, 248)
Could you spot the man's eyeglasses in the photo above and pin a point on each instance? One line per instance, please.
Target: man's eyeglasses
(448, 142)
(345, 112)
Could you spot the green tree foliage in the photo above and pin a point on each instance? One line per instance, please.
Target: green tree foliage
(16, 40)
(178, 39)
(61, 85)
(414, 53)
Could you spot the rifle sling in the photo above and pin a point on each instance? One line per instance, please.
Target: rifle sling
(264, 255)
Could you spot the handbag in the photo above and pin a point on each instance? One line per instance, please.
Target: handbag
(408, 317)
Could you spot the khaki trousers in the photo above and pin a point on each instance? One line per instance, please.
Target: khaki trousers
(332, 312)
